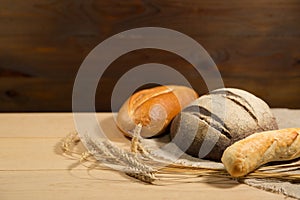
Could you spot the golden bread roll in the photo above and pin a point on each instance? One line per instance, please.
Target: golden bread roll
(153, 108)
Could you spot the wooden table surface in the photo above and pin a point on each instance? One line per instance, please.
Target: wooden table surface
(32, 167)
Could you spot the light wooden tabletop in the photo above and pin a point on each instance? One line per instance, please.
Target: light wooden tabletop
(32, 167)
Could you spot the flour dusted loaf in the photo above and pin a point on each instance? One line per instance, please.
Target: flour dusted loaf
(217, 120)
(248, 154)
(154, 109)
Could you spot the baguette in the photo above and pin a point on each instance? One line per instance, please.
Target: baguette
(248, 154)
(153, 109)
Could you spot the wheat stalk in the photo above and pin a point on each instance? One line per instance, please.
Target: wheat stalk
(69, 141)
(104, 152)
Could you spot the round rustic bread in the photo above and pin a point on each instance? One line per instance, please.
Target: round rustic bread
(215, 121)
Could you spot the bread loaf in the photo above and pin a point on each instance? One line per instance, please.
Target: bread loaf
(215, 121)
(248, 154)
(153, 108)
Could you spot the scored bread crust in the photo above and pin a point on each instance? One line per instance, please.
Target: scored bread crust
(153, 108)
(255, 150)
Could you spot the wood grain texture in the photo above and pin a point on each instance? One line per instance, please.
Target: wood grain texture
(32, 167)
(255, 45)
(79, 184)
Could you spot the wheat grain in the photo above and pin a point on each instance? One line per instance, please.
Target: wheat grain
(103, 151)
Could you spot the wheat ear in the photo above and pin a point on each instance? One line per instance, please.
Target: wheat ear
(105, 151)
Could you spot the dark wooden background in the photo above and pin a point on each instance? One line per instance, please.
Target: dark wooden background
(255, 44)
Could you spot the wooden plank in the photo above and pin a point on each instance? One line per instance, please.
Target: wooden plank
(15, 125)
(34, 154)
(36, 137)
(32, 167)
(110, 185)
(254, 44)
(42, 153)
(32, 125)
(35, 94)
(260, 56)
(233, 18)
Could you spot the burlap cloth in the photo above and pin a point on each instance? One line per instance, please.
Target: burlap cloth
(285, 118)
